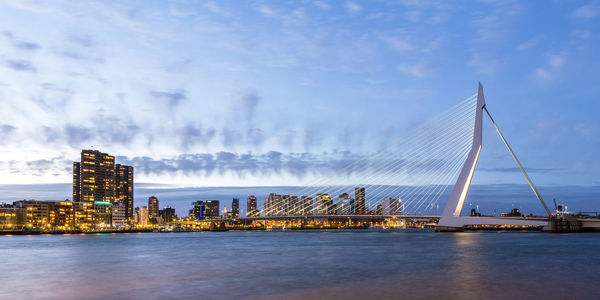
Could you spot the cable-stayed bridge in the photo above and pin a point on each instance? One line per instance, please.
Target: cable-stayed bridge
(433, 163)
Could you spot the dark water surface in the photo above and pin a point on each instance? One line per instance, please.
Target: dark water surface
(413, 264)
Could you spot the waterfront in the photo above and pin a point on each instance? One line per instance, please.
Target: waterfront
(300, 264)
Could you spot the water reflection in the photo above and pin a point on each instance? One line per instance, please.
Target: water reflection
(298, 265)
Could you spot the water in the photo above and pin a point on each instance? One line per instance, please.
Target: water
(301, 265)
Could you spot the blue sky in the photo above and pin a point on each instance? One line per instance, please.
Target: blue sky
(262, 92)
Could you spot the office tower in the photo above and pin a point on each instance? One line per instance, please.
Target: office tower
(211, 209)
(251, 207)
(124, 189)
(235, 208)
(198, 210)
(97, 178)
(391, 206)
(359, 202)
(152, 207)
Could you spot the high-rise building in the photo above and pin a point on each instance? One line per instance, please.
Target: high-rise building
(211, 209)
(391, 206)
(97, 178)
(152, 207)
(235, 208)
(124, 189)
(198, 210)
(359, 202)
(251, 207)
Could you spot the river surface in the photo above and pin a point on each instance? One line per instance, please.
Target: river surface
(410, 264)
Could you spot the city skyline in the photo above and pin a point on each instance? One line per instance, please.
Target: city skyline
(274, 117)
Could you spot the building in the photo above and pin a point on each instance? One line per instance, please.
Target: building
(359, 201)
(34, 213)
(235, 208)
(211, 209)
(140, 216)
(60, 214)
(8, 216)
(323, 204)
(391, 206)
(83, 215)
(98, 178)
(273, 205)
(306, 206)
(124, 189)
(168, 214)
(119, 215)
(198, 210)
(251, 207)
(152, 207)
(345, 204)
(102, 213)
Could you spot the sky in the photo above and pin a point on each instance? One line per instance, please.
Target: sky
(266, 93)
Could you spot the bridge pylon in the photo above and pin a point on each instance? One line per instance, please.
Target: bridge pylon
(451, 220)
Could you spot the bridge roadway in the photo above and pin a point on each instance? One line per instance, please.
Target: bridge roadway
(357, 218)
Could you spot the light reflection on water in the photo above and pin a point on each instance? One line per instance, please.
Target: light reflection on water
(300, 265)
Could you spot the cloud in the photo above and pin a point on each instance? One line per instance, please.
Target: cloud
(269, 163)
(418, 70)
(6, 130)
(530, 43)
(353, 7)
(85, 41)
(20, 44)
(587, 11)
(266, 11)
(517, 170)
(191, 135)
(172, 98)
(212, 6)
(554, 64)
(398, 44)
(20, 65)
(322, 5)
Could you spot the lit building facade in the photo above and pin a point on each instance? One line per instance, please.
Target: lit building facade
(359, 201)
(211, 209)
(235, 208)
(251, 207)
(152, 207)
(98, 178)
(391, 206)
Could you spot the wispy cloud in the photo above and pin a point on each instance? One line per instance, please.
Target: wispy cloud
(553, 66)
(353, 7)
(21, 65)
(587, 11)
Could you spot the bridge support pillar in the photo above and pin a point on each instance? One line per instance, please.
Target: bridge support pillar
(448, 229)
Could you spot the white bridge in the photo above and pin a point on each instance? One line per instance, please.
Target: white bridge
(451, 220)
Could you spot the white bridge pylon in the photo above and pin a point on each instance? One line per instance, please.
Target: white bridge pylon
(451, 220)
